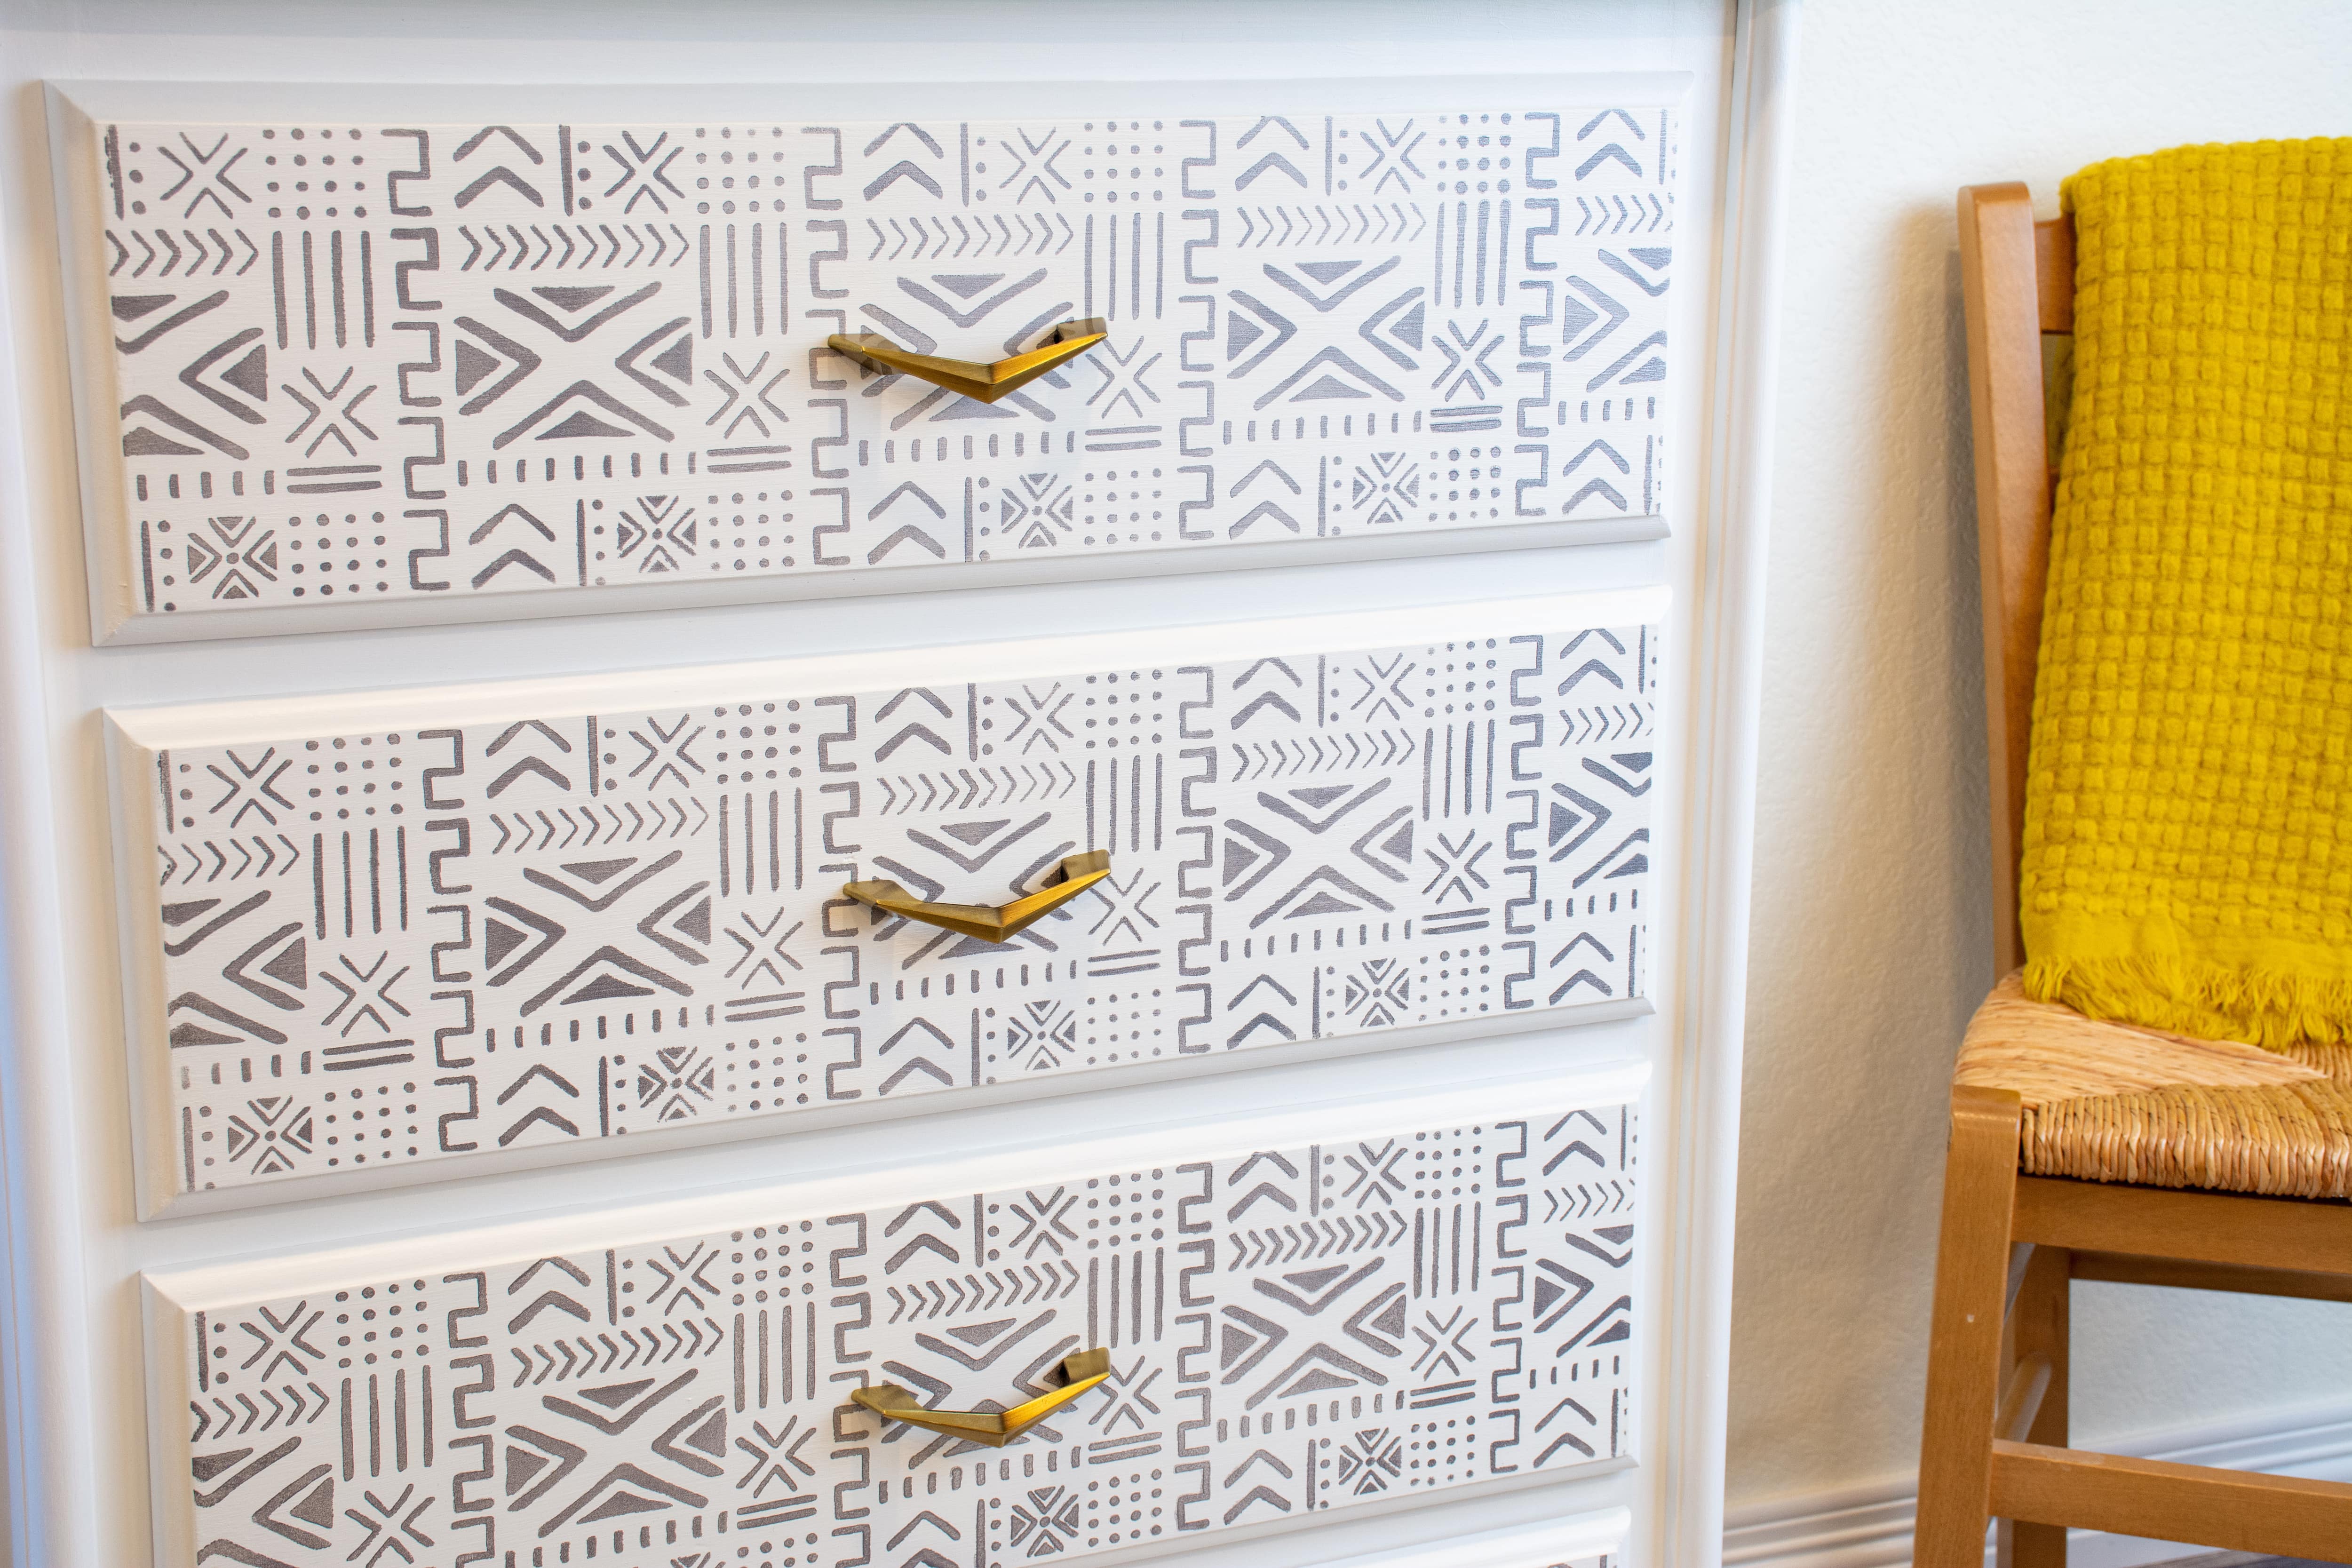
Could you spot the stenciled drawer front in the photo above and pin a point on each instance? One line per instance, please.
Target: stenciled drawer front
(465, 924)
(1292, 1329)
(1594, 1539)
(353, 363)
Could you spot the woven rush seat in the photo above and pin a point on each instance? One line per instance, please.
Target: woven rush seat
(2115, 1103)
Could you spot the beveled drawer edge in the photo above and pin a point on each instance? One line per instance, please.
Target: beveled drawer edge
(891, 1177)
(133, 735)
(170, 1297)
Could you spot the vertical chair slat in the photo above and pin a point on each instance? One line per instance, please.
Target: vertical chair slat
(2000, 276)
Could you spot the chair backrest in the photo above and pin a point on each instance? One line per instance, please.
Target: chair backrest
(2018, 280)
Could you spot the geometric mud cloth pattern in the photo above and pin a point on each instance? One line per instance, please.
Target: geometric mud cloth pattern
(405, 362)
(393, 946)
(1291, 1332)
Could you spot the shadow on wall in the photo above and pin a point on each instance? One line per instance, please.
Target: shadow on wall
(1873, 938)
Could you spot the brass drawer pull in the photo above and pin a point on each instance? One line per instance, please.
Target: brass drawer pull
(989, 923)
(994, 1428)
(985, 382)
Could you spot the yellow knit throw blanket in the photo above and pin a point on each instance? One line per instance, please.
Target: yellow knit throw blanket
(2188, 858)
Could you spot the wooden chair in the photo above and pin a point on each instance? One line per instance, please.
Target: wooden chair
(2083, 1150)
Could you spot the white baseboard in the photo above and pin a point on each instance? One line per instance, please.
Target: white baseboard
(1870, 1526)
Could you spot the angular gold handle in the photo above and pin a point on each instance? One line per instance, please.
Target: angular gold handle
(989, 923)
(985, 382)
(993, 1428)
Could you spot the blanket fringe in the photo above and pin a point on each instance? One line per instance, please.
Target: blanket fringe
(2275, 1009)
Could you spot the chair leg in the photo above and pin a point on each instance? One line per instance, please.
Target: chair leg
(1964, 1344)
(2038, 1325)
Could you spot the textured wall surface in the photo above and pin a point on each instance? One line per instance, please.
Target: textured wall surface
(1873, 935)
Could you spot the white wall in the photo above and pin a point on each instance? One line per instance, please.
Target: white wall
(1872, 937)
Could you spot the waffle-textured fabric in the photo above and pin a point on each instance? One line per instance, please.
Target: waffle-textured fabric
(2187, 860)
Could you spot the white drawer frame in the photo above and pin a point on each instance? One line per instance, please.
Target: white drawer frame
(71, 1414)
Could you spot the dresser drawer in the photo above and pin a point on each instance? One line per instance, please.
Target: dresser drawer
(1590, 1539)
(478, 922)
(1365, 1306)
(407, 368)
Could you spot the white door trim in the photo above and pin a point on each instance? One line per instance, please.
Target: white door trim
(1719, 843)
